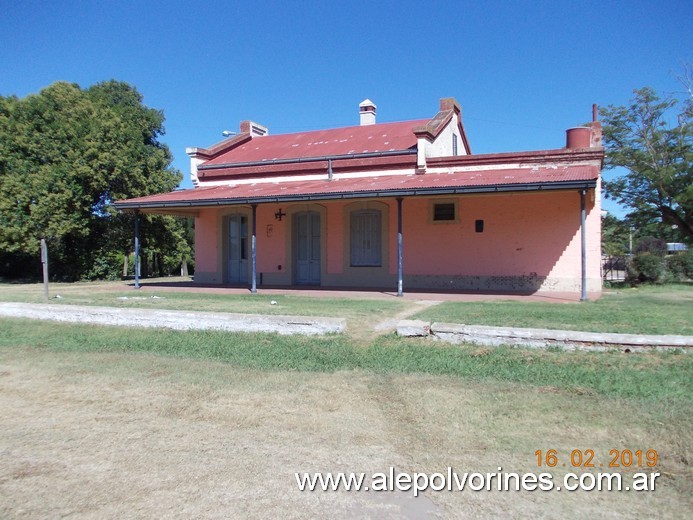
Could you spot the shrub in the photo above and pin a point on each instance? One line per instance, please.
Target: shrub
(680, 266)
(106, 266)
(647, 268)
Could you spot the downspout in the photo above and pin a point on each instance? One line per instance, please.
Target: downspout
(583, 248)
(329, 169)
(253, 248)
(137, 249)
(399, 246)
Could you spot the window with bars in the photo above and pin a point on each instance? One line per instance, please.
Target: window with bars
(366, 250)
(444, 212)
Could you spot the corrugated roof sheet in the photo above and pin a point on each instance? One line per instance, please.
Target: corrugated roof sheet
(373, 186)
(381, 137)
(312, 167)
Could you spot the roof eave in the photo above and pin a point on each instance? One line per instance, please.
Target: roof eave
(411, 192)
(531, 157)
(320, 165)
(303, 160)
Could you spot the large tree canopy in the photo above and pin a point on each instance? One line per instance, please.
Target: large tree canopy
(656, 149)
(65, 154)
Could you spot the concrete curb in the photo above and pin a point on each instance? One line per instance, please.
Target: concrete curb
(544, 338)
(177, 320)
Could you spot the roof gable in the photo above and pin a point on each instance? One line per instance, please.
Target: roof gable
(449, 108)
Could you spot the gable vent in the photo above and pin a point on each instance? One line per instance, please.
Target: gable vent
(253, 128)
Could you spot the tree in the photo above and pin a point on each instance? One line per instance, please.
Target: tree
(657, 153)
(616, 236)
(65, 154)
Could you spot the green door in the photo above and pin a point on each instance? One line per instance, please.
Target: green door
(238, 249)
(307, 248)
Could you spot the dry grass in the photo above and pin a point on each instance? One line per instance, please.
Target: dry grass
(112, 435)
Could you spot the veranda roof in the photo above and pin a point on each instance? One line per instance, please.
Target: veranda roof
(541, 178)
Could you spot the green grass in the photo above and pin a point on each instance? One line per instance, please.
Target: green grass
(647, 310)
(114, 294)
(643, 310)
(656, 376)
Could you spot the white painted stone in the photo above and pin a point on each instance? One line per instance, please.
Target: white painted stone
(412, 328)
(566, 339)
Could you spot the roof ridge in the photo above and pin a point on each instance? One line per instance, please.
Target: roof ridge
(370, 127)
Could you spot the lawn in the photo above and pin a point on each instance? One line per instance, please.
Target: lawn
(659, 377)
(120, 294)
(643, 310)
(362, 314)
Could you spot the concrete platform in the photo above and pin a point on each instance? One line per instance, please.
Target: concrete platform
(178, 320)
(544, 338)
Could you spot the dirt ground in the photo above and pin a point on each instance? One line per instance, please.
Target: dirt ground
(122, 435)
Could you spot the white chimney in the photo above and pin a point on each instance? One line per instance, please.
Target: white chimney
(253, 128)
(367, 112)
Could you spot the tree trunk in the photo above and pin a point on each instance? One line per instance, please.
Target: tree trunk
(125, 265)
(184, 266)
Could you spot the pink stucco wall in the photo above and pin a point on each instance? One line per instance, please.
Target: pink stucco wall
(335, 238)
(270, 239)
(206, 245)
(523, 233)
(272, 236)
(532, 236)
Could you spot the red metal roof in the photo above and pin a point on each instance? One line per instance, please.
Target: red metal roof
(537, 178)
(257, 170)
(381, 137)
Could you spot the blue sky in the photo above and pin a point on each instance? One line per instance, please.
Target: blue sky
(522, 71)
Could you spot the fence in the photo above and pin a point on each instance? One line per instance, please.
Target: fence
(614, 268)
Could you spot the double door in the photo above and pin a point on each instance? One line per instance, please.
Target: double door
(306, 248)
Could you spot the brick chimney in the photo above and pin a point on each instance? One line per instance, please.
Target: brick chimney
(588, 136)
(367, 112)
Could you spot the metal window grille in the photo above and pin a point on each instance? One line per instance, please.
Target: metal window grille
(366, 250)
